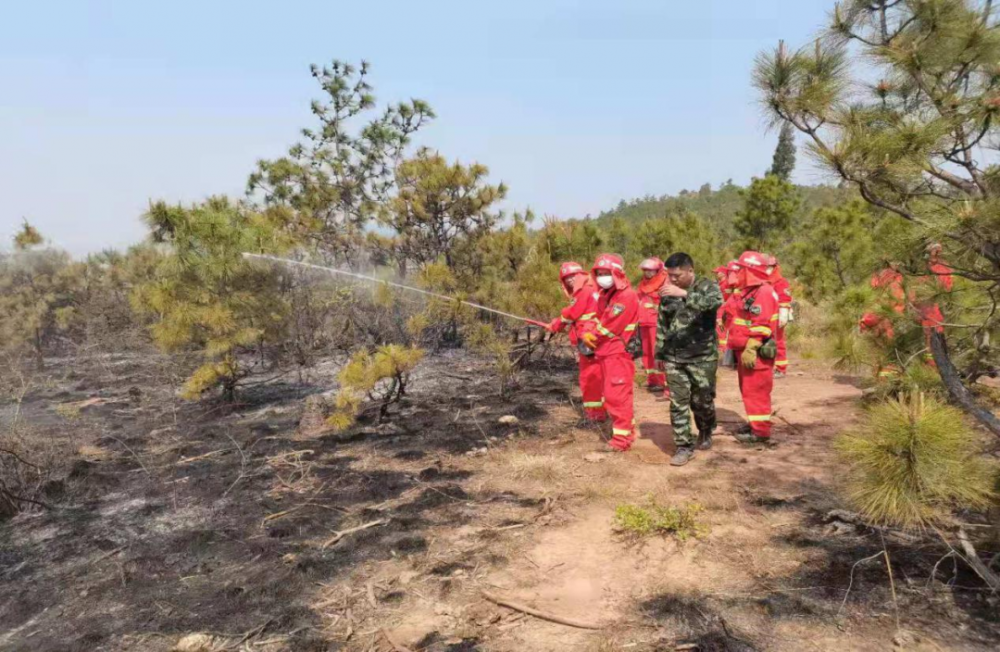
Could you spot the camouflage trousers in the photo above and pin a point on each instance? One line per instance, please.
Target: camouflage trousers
(692, 389)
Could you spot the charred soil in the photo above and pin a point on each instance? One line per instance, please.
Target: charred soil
(178, 519)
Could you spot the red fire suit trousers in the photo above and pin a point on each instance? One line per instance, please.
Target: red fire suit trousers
(654, 377)
(619, 383)
(592, 387)
(755, 387)
(781, 361)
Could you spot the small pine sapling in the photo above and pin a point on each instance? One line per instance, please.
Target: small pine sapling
(372, 382)
(914, 461)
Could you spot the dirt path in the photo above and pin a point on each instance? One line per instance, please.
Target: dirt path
(751, 496)
(766, 575)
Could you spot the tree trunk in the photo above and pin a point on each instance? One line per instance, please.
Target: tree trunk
(840, 271)
(39, 355)
(957, 391)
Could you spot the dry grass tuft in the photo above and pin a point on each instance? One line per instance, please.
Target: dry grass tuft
(540, 468)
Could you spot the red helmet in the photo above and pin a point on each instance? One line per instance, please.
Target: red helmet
(653, 264)
(772, 266)
(575, 271)
(570, 268)
(755, 267)
(611, 263)
(732, 269)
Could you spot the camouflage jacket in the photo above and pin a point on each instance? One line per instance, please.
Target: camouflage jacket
(686, 331)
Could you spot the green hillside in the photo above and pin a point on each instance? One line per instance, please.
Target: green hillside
(716, 206)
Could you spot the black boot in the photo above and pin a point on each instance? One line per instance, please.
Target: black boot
(704, 441)
(751, 438)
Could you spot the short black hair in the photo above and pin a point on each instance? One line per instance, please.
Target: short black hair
(680, 259)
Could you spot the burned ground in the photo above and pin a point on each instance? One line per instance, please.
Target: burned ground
(178, 518)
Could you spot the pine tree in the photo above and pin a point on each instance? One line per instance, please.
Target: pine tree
(207, 296)
(784, 153)
(769, 205)
(916, 145)
(372, 380)
(618, 238)
(839, 252)
(338, 179)
(439, 205)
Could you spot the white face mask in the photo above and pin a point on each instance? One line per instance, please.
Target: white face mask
(605, 281)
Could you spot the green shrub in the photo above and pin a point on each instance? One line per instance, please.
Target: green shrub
(638, 521)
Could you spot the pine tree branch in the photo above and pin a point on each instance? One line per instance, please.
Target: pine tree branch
(813, 132)
(987, 123)
(953, 180)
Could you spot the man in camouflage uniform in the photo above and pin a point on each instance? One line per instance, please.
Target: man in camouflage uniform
(688, 346)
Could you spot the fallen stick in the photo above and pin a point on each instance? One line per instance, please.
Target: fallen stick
(277, 515)
(370, 587)
(395, 646)
(188, 460)
(795, 428)
(343, 533)
(111, 553)
(516, 606)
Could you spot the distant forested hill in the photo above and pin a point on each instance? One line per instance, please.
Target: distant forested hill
(716, 207)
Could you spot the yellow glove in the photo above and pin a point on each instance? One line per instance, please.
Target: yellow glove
(749, 356)
(589, 339)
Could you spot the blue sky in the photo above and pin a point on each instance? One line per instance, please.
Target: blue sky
(575, 105)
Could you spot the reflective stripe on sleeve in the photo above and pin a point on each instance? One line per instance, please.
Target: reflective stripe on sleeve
(761, 330)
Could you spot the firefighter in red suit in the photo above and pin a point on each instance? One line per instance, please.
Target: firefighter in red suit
(931, 318)
(653, 278)
(889, 282)
(722, 276)
(784, 291)
(607, 335)
(732, 295)
(582, 294)
(754, 322)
